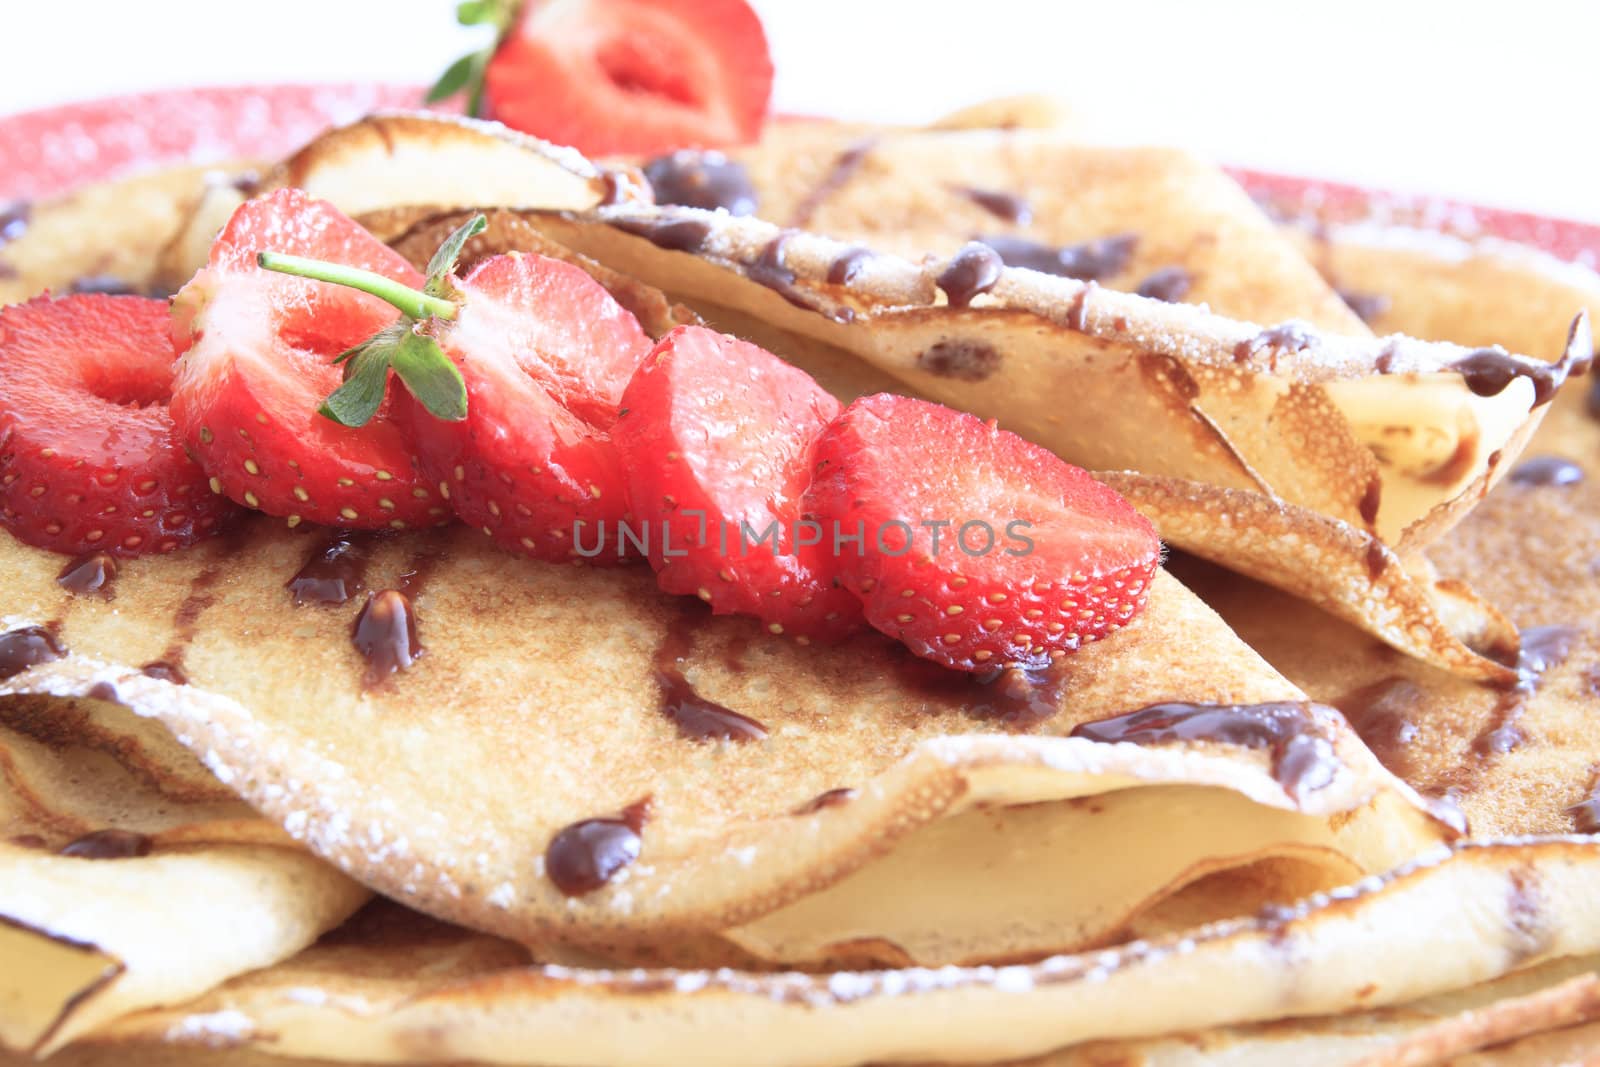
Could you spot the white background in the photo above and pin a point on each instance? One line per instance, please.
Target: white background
(1492, 102)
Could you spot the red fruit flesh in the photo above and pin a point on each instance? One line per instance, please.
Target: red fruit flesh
(1081, 569)
(634, 76)
(545, 352)
(88, 458)
(257, 364)
(716, 441)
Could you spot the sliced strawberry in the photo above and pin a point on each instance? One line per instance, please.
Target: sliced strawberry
(716, 438)
(633, 76)
(88, 458)
(545, 352)
(258, 350)
(983, 590)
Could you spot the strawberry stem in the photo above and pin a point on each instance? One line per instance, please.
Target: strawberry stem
(416, 304)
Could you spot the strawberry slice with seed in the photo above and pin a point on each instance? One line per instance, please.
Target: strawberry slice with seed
(716, 440)
(258, 360)
(979, 549)
(544, 351)
(88, 457)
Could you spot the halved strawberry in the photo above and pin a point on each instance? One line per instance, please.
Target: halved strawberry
(979, 549)
(545, 352)
(88, 458)
(258, 350)
(716, 437)
(633, 76)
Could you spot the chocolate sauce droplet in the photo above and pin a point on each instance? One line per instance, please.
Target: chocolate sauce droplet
(1367, 306)
(1169, 284)
(697, 718)
(14, 219)
(1291, 336)
(833, 798)
(971, 272)
(1380, 716)
(1019, 695)
(1303, 755)
(962, 359)
(1078, 311)
(1543, 648)
(28, 841)
(165, 672)
(1546, 471)
(89, 573)
(1488, 371)
(588, 854)
(27, 647)
(335, 572)
(1094, 260)
(1008, 207)
(707, 180)
(108, 845)
(104, 691)
(385, 632)
(847, 264)
(669, 232)
(1371, 500)
(1377, 559)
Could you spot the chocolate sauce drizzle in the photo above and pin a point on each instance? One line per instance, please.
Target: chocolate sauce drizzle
(1008, 207)
(334, 572)
(1543, 649)
(1379, 715)
(1488, 371)
(588, 854)
(1020, 696)
(963, 359)
(108, 845)
(1169, 284)
(1303, 756)
(697, 718)
(88, 574)
(1586, 813)
(833, 798)
(1094, 260)
(165, 672)
(670, 232)
(708, 180)
(1291, 336)
(27, 647)
(1367, 306)
(972, 271)
(844, 167)
(1546, 471)
(769, 270)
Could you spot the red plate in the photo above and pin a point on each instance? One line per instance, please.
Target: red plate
(48, 152)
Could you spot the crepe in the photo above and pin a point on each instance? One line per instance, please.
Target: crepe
(376, 780)
(255, 709)
(1389, 941)
(164, 885)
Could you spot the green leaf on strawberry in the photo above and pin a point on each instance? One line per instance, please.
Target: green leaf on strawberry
(467, 73)
(405, 345)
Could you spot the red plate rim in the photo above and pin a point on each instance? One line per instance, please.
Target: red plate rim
(50, 151)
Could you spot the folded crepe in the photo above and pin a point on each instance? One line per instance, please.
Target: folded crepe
(1123, 216)
(549, 695)
(1415, 969)
(129, 877)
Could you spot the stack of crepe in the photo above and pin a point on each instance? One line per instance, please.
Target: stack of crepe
(219, 846)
